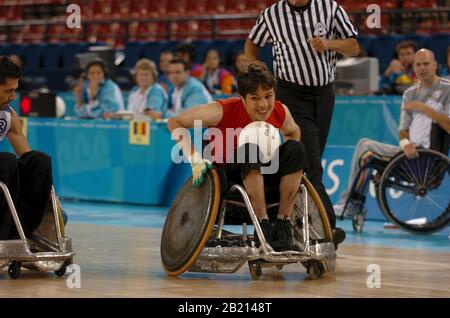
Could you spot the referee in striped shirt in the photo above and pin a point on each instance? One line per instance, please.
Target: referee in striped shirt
(306, 36)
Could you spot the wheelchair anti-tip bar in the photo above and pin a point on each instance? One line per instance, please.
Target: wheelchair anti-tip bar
(304, 193)
(57, 220)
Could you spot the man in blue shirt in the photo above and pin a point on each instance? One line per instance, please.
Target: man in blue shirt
(187, 91)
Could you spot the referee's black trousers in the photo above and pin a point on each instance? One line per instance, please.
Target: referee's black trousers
(312, 109)
(29, 180)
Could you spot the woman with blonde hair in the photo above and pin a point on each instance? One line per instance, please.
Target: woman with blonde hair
(148, 97)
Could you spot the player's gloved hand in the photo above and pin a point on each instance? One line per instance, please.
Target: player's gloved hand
(199, 167)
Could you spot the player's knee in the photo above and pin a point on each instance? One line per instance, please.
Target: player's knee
(293, 153)
(364, 143)
(294, 148)
(249, 153)
(8, 164)
(41, 160)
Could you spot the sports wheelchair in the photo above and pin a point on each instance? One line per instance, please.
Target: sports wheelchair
(414, 193)
(194, 239)
(47, 249)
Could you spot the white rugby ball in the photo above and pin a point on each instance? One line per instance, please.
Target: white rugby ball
(265, 135)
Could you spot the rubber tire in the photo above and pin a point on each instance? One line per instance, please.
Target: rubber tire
(382, 198)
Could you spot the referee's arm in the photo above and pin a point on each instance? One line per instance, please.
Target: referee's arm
(251, 51)
(347, 47)
(344, 41)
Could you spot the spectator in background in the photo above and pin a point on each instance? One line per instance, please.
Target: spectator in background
(240, 64)
(400, 74)
(217, 79)
(187, 92)
(187, 52)
(148, 97)
(164, 60)
(97, 96)
(445, 71)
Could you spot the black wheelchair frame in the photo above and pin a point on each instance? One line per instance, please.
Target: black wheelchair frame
(417, 177)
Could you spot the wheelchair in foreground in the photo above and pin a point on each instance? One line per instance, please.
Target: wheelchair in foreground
(414, 193)
(194, 239)
(47, 249)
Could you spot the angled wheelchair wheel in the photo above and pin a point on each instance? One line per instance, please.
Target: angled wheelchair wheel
(189, 224)
(414, 193)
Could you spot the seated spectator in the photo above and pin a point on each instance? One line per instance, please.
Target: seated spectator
(400, 74)
(240, 64)
(148, 97)
(187, 52)
(445, 71)
(216, 79)
(187, 92)
(97, 96)
(164, 60)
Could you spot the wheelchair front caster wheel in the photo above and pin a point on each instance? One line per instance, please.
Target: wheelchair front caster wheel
(60, 272)
(14, 270)
(255, 269)
(314, 270)
(358, 222)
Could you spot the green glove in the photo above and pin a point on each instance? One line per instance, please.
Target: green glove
(199, 167)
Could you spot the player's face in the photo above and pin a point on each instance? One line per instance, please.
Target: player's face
(95, 74)
(259, 105)
(8, 92)
(144, 78)
(406, 56)
(424, 66)
(177, 74)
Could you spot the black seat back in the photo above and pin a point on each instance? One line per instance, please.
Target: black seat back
(439, 139)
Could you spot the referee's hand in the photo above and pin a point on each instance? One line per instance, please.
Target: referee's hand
(319, 44)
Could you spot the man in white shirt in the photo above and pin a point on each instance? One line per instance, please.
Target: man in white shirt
(425, 102)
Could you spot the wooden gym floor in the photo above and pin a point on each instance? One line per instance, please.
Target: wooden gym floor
(124, 261)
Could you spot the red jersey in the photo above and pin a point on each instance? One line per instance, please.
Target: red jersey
(235, 117)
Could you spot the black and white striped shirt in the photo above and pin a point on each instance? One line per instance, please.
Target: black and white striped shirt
(288, 29)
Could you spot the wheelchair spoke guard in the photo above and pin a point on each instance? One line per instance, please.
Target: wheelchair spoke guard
(189, 224)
